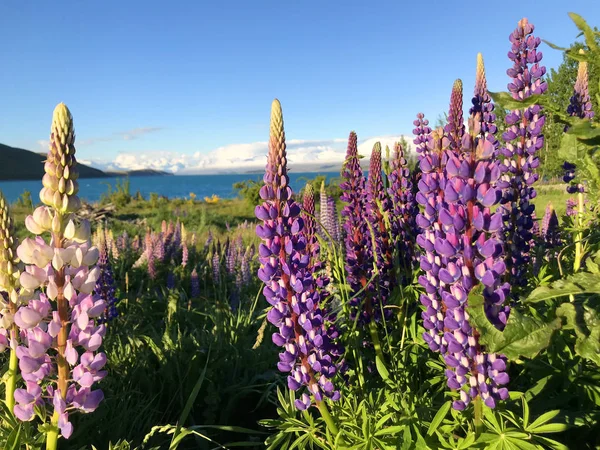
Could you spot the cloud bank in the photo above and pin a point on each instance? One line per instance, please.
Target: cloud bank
(246, 157)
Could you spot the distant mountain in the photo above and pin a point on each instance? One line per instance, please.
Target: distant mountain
(19, 164)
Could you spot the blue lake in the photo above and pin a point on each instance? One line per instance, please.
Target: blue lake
(91, 189)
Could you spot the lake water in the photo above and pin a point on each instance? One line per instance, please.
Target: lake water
(91, 189)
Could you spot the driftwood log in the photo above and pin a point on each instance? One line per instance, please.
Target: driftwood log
(95, 212)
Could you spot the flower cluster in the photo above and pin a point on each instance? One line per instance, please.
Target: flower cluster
(358, 243)
(378, 208)
(549, 231)
(105, 286)
(328, 216)
(10, 271)
(463, 248)
(289, 285)
(60, 337)
(580, 106)
(523, 139)
(405, 210)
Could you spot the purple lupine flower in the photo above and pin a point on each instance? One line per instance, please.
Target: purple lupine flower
(462, 248)
(359, 256)
(580, 106)
(571, 207)
(158, 247)
(150, 255)
(184, 254)
(316, 267)
(310, 224)
(195, 284)
(378, 205)
(230, 257)
(332, 219)
(421, 132)
(405, 210)
(123, 243)
(455, 128)
(324, 212)
(105, 285)
(474, 250)
(216, 265)
(289, 286)
(170, 281)
(523, 139)
(550, 230)
(60, 337)
(535, 230)
(209, 240)
(245, 266)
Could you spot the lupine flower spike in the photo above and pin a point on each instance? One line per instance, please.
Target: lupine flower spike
(580, 106)
(60, 337)
(378, 207)
(523, 139)
(473, 248)
(10, 271)
(105, 286)
(289, 285)
(405, 210)
(358, 243)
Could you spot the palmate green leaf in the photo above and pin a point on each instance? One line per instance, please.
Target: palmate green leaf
(579, 283)
(586, 323)
(523, 336)
(588, 32)
(550, 443)
(508, 102)
(542, 420)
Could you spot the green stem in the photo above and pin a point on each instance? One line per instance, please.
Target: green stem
(375, 338)
(11, 382)
(52, 434)
(578, 234)
(327, 418)
(478, 404)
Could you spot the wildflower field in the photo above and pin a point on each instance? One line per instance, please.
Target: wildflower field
(452, 303)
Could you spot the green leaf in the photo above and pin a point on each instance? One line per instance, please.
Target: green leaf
(407, 439)
(507, 101)
(554, 46)
(393, 430)
(525, 412)
(551, 428)
(523, 336)
(586, 323)
(590, 39)
(190, 402)
(551, 443)
(439, 417)
(579, 283)
(383, 372)
(544, 418)
(13, 441)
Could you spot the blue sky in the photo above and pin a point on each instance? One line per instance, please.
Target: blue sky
(186, 83)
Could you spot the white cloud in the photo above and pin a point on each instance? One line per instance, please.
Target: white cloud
(244, 157)
(128, 135)
(43, 145)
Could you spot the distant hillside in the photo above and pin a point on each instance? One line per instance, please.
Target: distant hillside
(19, 164)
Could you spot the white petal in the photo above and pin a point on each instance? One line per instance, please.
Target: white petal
(33, 226)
